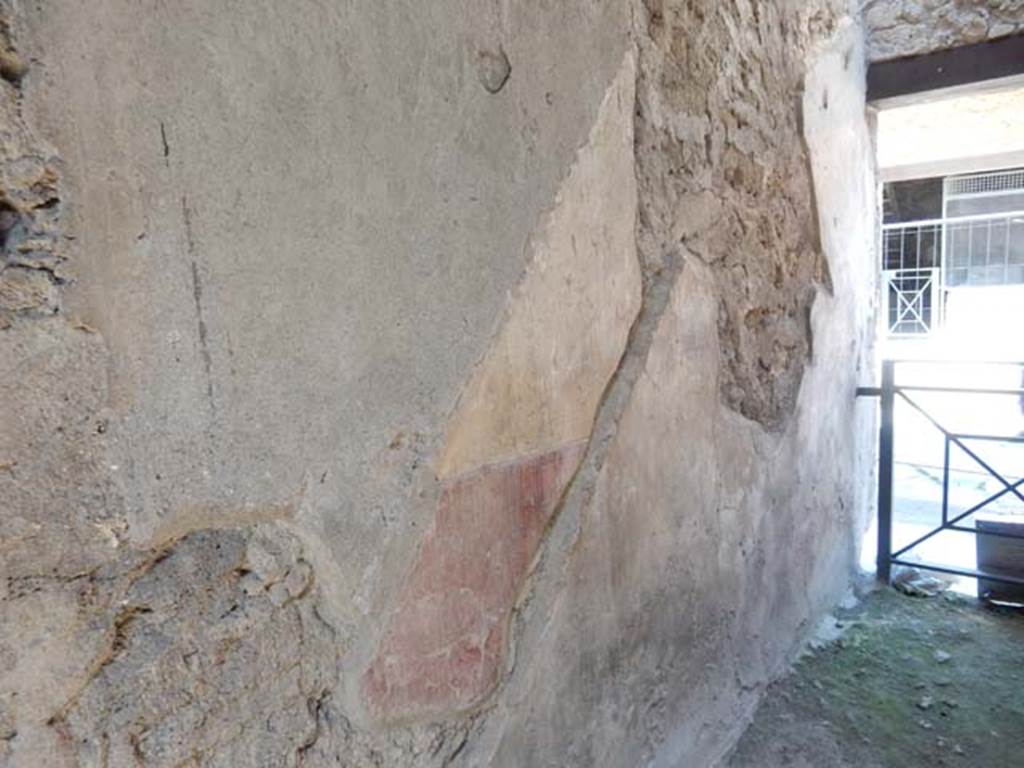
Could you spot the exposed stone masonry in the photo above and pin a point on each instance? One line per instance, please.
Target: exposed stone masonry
(909, 27)
(31, 254)
(720, 153)
(666, 594)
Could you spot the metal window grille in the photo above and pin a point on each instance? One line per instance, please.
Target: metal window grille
(994, 182)
(985, 251)
(978, 241)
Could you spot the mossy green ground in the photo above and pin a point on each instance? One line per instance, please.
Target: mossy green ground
(885, 695)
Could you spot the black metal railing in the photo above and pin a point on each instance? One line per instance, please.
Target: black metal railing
(888, 393)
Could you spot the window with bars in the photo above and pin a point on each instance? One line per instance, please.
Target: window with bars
(977, 240)
(985, 251)
(984, 237)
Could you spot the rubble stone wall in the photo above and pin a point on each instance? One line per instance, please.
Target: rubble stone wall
(909, 27)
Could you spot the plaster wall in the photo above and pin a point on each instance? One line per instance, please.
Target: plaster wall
(423, 384)
(286, 236)
(699, 547)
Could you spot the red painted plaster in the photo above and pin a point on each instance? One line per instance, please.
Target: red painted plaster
(444, 645)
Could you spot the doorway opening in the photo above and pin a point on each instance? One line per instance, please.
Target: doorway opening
(951, 314)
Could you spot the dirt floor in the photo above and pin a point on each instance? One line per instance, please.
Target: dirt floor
(912, 681)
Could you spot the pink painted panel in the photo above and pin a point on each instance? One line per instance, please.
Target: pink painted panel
(444, 645)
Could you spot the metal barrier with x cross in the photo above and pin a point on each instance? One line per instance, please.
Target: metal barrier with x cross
(887, 393)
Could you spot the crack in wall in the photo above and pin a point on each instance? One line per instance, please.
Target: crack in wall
(164, 145)
(546, 578)
(665, 246)
(197, 295)
(750, 233)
